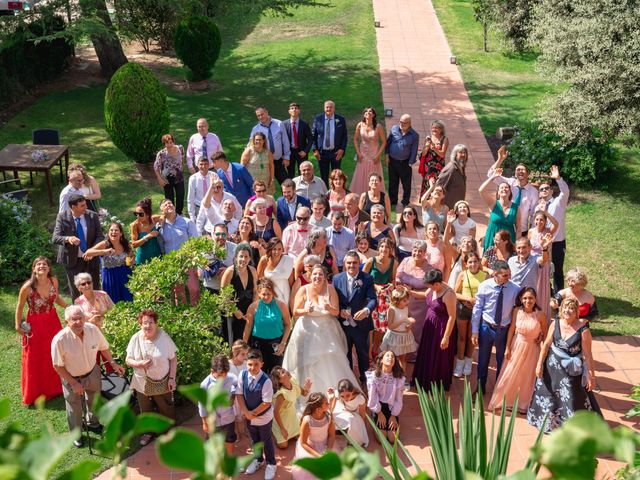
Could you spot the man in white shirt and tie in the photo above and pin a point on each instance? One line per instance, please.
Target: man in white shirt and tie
(199, 184)
(202, 144)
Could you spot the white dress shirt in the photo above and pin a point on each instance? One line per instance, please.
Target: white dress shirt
(196, 191)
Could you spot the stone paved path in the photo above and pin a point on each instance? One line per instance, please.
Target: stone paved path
(418, 79)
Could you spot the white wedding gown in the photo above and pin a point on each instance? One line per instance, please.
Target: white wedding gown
(318, 349)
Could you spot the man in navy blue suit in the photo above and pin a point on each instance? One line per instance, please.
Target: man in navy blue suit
(299, 134)
(288, 204)
(357, 300)
(329, 139)
(236, 178)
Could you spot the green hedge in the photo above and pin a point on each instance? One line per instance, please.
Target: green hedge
(197, 43)
(24, 64)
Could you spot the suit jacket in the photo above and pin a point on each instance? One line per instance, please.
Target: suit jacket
(305, 140)
(363, 295)
(340, 141)
(242, 187)
(282, 210)
(66, 227)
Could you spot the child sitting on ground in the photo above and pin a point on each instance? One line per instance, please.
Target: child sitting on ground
(385, 384)
(317, 432)
(349, 409)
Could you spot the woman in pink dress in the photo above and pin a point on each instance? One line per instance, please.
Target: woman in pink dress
(370, 142)
(539, 230)
(518, 376)
(435, 249)
(40, 294)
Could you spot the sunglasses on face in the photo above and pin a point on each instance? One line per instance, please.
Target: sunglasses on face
(139, 214)
(220, 234)
(544, 189)
(408, 212)
(302, 219)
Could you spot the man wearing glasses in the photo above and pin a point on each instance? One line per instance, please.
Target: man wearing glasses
(491, 319)
(212, 275)
(400, 154)
(294, 237)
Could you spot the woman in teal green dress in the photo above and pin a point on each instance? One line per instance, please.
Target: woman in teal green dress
(144, 234)
(504, 211)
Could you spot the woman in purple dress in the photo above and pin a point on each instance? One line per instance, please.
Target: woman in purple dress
(437, 350)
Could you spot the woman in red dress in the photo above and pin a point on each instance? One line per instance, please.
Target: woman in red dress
(40, 293)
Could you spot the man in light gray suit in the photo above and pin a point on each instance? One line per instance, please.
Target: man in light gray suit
(76, 231)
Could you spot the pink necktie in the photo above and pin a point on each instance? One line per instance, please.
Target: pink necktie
(229, 177)
(205, 184)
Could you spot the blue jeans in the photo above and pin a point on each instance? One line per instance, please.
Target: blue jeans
(487, 338)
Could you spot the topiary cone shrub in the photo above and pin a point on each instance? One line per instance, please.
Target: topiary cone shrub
(197, 43)
(136, 114)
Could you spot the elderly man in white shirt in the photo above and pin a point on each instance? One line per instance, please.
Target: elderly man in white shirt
(202, 144)
(74, 352)
(529, 197)
(212, 209)
(307, 184)
(199, 184)
(74, 186)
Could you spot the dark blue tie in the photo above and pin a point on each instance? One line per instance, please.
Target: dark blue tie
(270, 138)
(204, 148)
(497, 316)
(80, 232)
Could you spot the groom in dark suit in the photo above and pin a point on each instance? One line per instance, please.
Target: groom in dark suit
(299, 133)
(355, 291)
(329, 139)
(76, 231)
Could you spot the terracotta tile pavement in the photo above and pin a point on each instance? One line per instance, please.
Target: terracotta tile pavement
(418, 78)
(616, 362)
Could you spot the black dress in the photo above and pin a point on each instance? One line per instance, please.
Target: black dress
(558, 394)
(244, 298)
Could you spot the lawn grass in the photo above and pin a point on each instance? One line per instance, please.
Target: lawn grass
(318, 53)
(601, 226)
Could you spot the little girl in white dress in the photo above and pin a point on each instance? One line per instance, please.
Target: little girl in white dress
(399, 338)
(349, 409)
(317, 433)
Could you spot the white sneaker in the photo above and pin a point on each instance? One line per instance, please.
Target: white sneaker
(270, 472)
(457, 371)
(468, 366)
(253, 467)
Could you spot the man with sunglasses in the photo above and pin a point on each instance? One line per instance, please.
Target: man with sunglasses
(294, 237)
(212, 275)
(557, 207)
(529, 196)
(213, 210)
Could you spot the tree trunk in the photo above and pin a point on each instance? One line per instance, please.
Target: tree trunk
(106, 44)
(484, 35)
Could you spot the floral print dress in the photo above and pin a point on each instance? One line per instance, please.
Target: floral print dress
(558, 394)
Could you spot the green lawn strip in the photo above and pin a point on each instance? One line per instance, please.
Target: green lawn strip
(317, 54)
(506, 89)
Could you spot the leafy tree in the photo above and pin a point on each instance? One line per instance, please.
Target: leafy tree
(136, 114)
(593, 47)
(197, 41)
(514, 19)
(482, 12)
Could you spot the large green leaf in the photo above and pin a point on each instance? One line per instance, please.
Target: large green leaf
(43, 453)
(152, 423)
(325, 467)
(183, 449)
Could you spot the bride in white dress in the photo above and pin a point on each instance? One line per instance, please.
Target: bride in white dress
(317, 347)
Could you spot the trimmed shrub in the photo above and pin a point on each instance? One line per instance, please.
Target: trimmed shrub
(21, 241)
(584, 164)
(197, 43)
(136, 114)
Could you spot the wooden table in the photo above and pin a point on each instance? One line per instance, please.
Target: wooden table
(17, 158)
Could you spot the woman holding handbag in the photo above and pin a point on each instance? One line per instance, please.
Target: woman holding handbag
(152, 355)
(466, 288)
